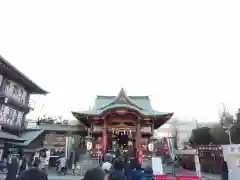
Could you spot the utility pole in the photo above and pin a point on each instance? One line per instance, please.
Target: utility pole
(229, 133)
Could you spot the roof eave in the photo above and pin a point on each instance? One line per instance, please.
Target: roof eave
(27, 142)
(35, 89)
(165, 115)
(77, 114)
(74, 113)
(42, 92)
(161, 119)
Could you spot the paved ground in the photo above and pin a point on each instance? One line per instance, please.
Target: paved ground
(52, 175)
(167, 170)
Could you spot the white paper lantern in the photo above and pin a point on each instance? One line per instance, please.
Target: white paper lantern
(150, 147)
(89, 145)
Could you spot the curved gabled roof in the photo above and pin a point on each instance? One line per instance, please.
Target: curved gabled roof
(122, 98)
(140, 104)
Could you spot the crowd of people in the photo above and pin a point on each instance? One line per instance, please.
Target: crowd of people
(119, 168)
(116, 169)
(112, 167)
(16, 164)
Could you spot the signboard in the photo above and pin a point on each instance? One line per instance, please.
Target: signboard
(187, 152)
(197, 165)
(157, 165)
(146, 129)
(193, 152)
(97, 128)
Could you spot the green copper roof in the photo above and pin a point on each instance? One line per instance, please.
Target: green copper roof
(10, 137)
(142, 104)
(30, 136)
(122, 99)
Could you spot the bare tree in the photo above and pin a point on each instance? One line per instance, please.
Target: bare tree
(226, 118)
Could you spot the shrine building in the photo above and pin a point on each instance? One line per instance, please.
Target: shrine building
(122, 121)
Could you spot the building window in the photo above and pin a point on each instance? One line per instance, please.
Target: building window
(2, 115)
(15, 90)
(19, 118)
(7, 88)
(11, 116)
(1, 79)
(5, 111)
(21, 96)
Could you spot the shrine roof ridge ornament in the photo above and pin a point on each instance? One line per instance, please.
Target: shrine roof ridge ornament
(123, 98)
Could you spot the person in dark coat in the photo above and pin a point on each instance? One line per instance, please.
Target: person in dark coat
(94, 174)
(148, 173)
(136, 173)
(33, 174)
(23, 166)
(118, 165)
(224, 171)
(118, 153)
(118, 170)
(36, 162)
(12, 167)
(116, 175)
(129, 167)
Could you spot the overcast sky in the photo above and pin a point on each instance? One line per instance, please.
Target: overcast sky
(185, 54)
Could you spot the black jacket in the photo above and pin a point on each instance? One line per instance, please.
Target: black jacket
(12, 168)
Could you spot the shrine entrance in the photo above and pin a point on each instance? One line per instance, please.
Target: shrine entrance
(122, 141)
(120, 138)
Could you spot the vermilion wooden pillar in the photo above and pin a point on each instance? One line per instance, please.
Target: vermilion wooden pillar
(138, 135)
(104, 136)
(138, 143)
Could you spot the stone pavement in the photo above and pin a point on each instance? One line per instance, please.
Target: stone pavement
(52, 175)
(167, 170)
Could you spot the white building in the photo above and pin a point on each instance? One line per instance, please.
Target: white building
(182, 129)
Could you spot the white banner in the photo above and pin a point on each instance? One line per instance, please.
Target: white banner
(197, 166)
(157, 165)
(231, 155)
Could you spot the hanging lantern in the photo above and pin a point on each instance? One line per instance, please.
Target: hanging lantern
(151, 144)
(89, 142)
(150, 147)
